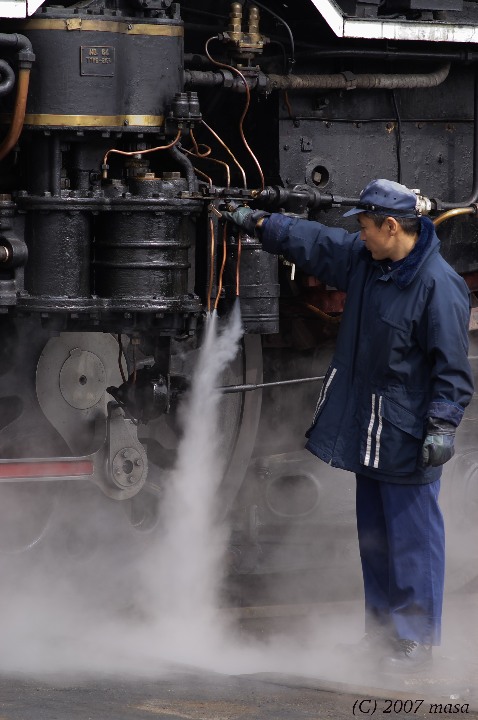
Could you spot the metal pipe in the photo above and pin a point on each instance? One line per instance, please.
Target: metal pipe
(8, 78)
(26, 57)
(453, 213)
(367, 81)
(18, 118)
(473, 197)
(335, 81)
(247, 388)
(185, 162)
(369, 54)
(19, 43)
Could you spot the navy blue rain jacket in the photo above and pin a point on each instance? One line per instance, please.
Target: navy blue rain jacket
(401, 352)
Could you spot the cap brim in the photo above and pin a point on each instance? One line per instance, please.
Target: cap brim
(354, 211)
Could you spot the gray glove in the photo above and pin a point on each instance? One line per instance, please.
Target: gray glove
(245, 218)
(438, 447)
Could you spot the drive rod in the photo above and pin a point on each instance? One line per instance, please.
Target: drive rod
(246, 388)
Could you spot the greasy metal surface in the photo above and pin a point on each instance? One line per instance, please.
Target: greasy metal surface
(67, 400)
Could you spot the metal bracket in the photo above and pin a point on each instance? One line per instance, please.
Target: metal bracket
(119, 467)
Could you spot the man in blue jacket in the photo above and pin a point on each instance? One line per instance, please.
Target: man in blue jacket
(391, 400)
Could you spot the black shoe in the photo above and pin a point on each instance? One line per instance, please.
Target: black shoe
(371, 645)
(409, 656)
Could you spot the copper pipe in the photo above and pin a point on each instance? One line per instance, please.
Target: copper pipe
(322, 314)
(453, 213)
(288, 105)
(244, 179)
(246, 108)
(205, 156)
(136, 152)
(223, 264)
(238, 266)
(211, 260)
(198, 172)
(16, 126)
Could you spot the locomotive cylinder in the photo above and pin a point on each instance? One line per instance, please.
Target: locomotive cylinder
(59, 254)
(102, 71)
(259, 288)
(143, 243)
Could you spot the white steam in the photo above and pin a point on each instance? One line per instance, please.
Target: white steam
(122, 602)
(190, 552)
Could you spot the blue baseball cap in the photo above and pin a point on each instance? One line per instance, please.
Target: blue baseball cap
(385, 197)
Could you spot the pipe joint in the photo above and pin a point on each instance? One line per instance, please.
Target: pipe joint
(26, 58)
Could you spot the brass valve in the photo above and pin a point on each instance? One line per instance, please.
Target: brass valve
(250, 43)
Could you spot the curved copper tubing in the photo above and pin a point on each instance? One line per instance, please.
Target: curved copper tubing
(244, 179)
(129, 153)
(221, 272)
(198, 172)
(322, 314)
(16, 126)
(205, 156)
(288, 105)
(238, 266)
(453, 213)
(246, 108)
(211, 260)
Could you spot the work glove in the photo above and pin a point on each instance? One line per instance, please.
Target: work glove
(245, 218)
(438, 447)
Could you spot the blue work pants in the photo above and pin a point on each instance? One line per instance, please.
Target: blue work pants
(402, 548)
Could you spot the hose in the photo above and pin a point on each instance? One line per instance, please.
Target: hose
(18, 118)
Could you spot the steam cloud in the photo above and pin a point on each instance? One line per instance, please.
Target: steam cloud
(122, 602)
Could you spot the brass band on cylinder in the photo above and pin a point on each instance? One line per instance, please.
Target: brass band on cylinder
(90, 120)
(111, 26)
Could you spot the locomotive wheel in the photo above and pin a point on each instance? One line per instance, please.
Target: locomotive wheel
(26, 509)
(55, 417)
(238, 419)
(459, 500)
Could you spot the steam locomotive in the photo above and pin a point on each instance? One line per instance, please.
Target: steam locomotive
(127, 127)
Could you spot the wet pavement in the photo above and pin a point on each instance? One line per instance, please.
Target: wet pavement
(196, 695)
(177, 692)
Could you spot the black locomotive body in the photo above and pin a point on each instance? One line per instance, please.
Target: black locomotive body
(128, 125)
